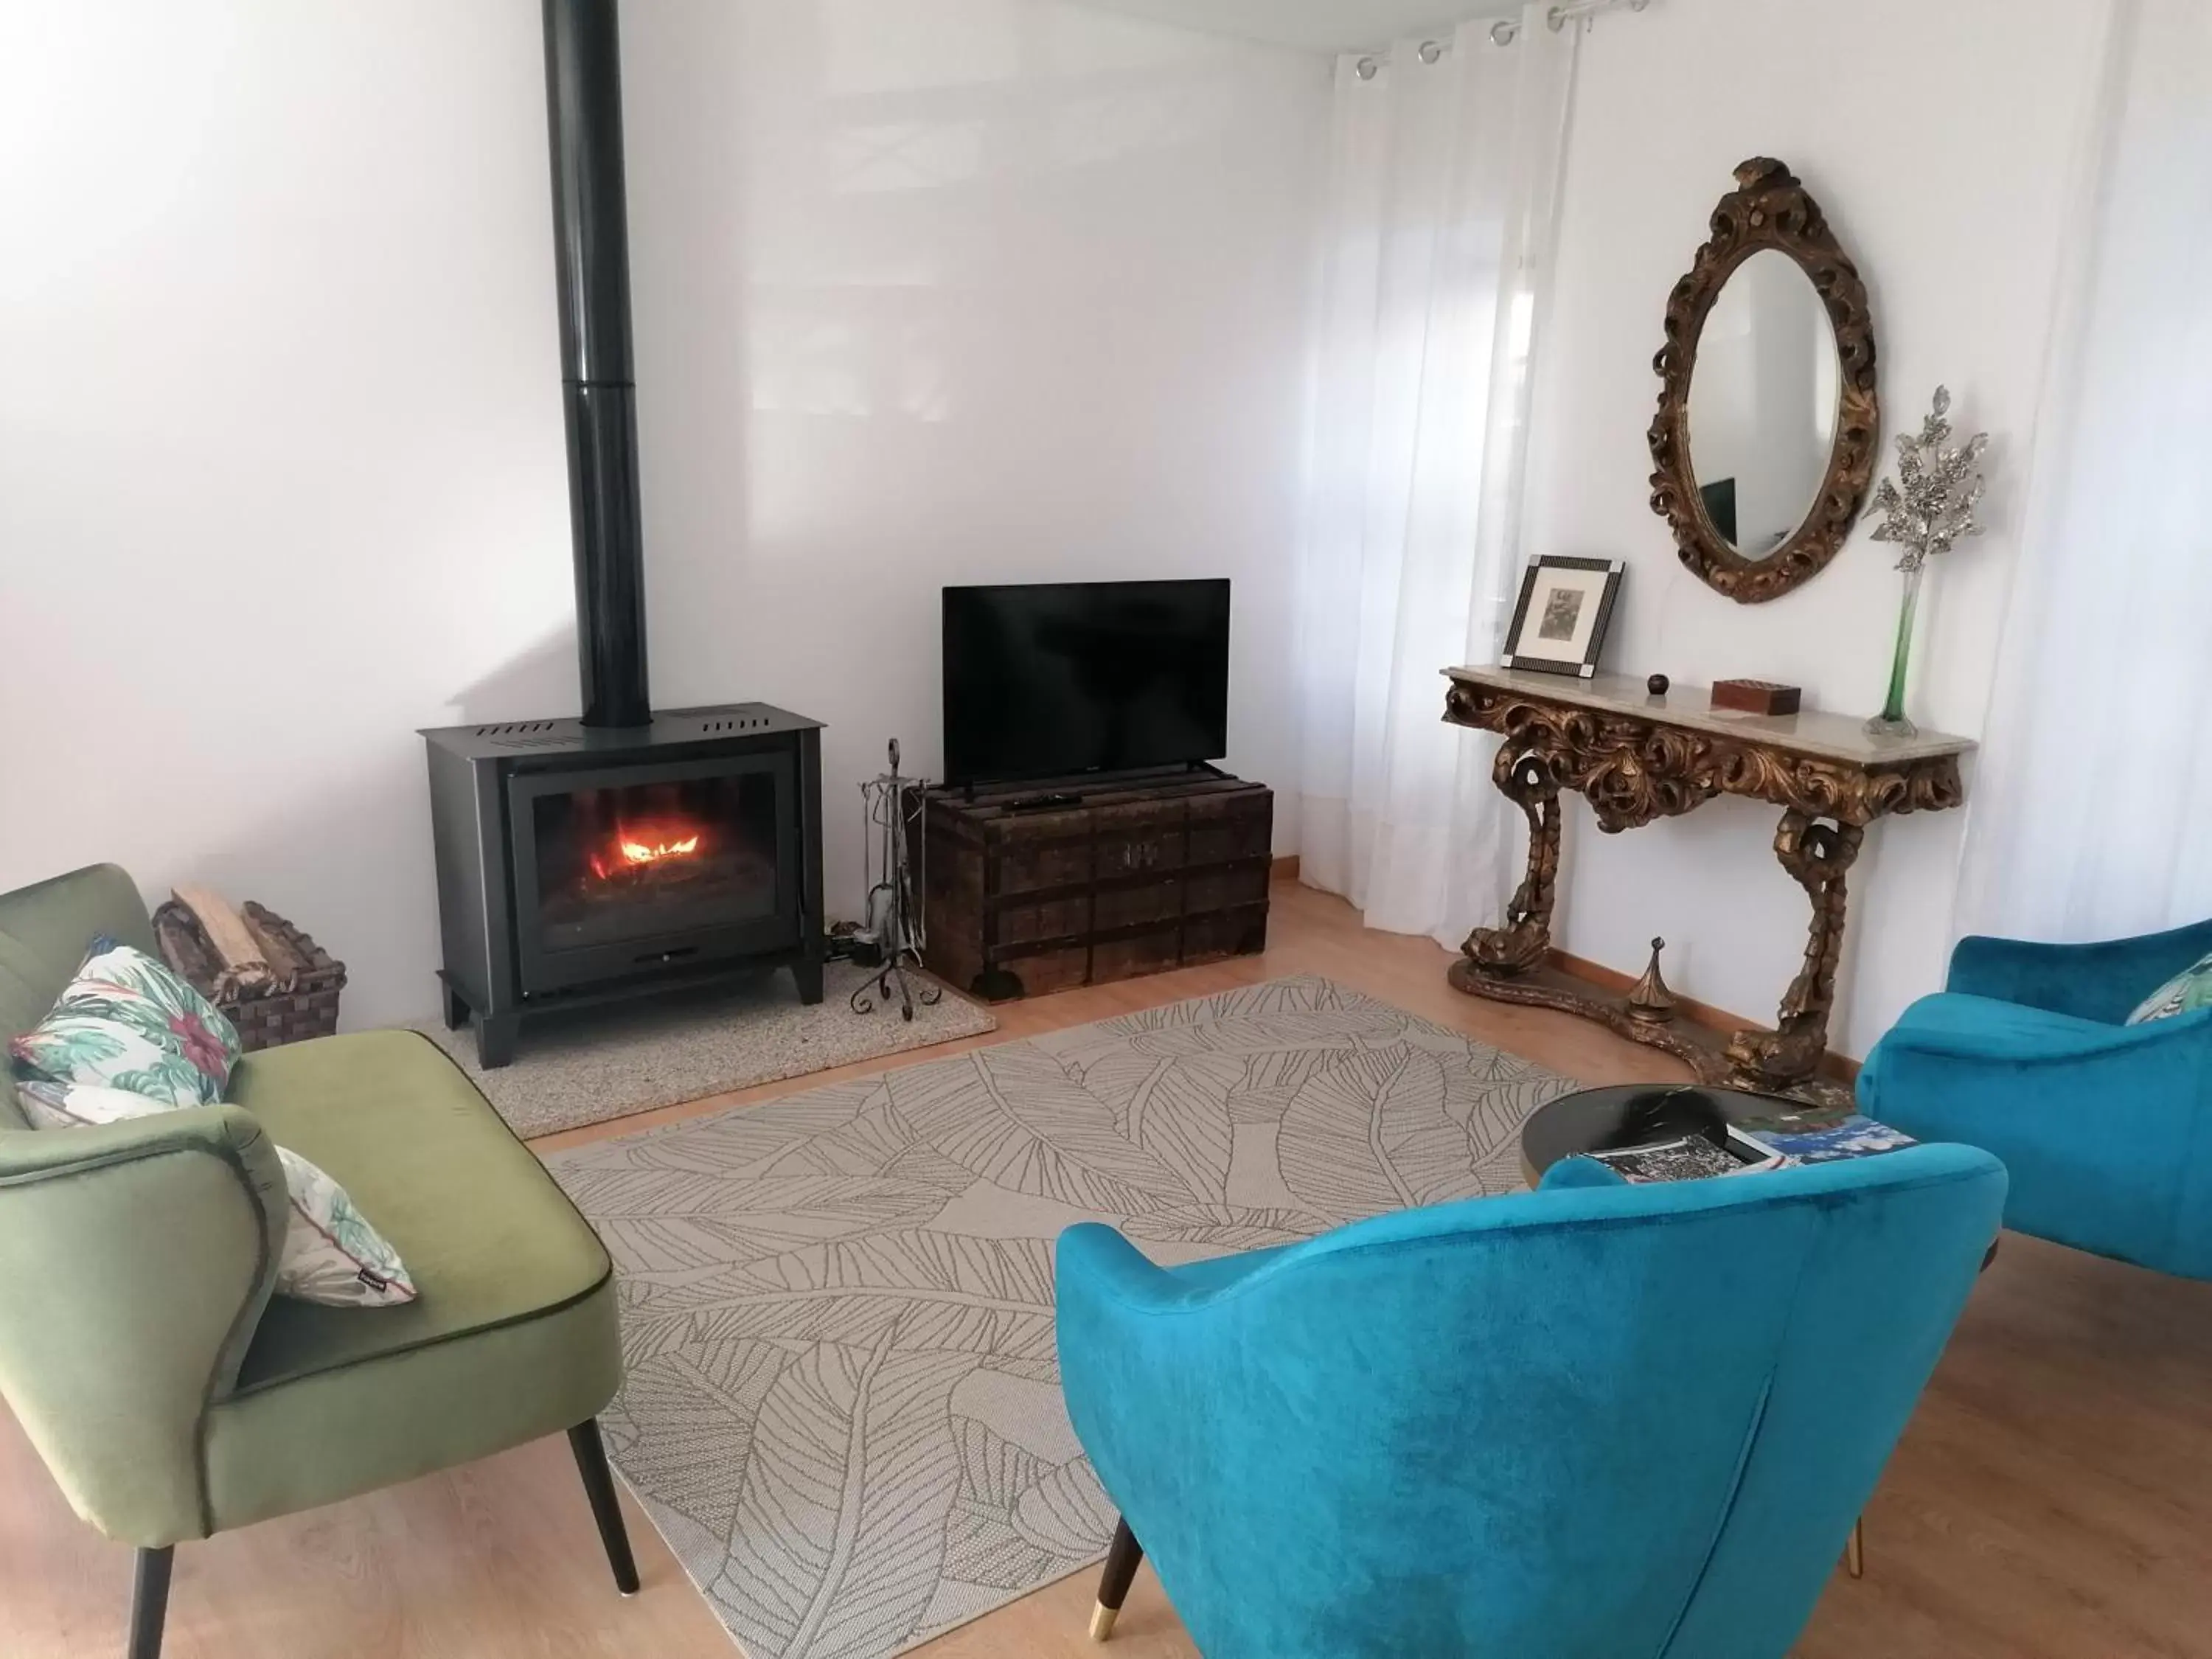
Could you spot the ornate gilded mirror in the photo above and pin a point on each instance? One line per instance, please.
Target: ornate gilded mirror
(1764, 440)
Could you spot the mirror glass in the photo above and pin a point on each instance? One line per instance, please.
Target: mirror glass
(1763, 404)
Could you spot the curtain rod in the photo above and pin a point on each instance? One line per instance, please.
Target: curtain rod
(1505, 31)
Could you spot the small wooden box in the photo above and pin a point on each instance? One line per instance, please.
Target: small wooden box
(1131, 877)
(1757, 696)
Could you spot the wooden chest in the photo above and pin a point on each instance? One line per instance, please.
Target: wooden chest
(1137, 877)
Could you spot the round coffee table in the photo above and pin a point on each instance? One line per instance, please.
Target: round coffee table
(1588, 1121)
(1585, 1123)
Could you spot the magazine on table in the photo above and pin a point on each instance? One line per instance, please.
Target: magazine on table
(1700, 1150)
(1854, 1135)
(1689, 1157)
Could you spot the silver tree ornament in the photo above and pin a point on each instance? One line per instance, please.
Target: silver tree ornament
(1931, 503)
(1925, 510)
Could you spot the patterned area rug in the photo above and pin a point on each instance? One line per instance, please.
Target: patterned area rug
(843, 1408)
(629, 1057)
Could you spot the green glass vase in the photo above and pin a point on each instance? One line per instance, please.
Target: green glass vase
(1891, 721)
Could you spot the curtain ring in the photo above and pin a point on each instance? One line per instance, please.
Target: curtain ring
(1366, 69)
(1504, 33)
(1429, 51)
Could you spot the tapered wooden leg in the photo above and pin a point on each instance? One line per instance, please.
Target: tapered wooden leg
(1122, 1559)
(606, 1508)
(150, 1602)
(1855, 1551)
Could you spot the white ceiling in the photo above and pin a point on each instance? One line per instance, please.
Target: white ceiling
(1317, 25)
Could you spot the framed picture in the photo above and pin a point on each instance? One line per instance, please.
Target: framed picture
(1566, 605)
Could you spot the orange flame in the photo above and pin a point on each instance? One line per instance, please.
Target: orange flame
(642, 848)
(638, 852)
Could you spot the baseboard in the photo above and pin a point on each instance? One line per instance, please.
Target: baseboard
(1286, 867)
(1842, 1067)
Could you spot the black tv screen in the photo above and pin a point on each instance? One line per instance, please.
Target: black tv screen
(1058, 678)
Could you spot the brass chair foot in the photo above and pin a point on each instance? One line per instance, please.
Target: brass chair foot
(1855, 1551)
(1101, 1621)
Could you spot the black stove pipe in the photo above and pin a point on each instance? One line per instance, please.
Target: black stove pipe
(591, 234)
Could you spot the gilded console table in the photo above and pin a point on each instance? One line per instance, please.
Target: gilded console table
(1636, 757)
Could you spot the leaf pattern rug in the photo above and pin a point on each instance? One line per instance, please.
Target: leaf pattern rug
(843, 1408)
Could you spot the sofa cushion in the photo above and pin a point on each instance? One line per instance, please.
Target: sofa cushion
(125, 1021)
(2187, 990)
(332, 1253)
(488, 1235)
(1953, 1022)
(515, 1334)
(72, 1047)
(44, 931)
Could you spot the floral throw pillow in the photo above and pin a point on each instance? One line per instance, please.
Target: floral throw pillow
(73, 1105)
(332, 1254)
(2189, 988)
(127, 1022)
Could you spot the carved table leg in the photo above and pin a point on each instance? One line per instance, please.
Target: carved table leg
(1818, 855)
(1526, 778)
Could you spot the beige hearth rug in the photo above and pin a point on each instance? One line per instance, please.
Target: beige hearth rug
(628, 1057)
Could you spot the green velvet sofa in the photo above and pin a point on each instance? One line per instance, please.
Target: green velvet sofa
(141, 1350)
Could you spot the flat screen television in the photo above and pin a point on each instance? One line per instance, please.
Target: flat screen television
(1055, 679)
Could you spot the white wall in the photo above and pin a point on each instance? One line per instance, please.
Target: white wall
(1939, 140)
(280, 464)
(958, 291)
(931, 291)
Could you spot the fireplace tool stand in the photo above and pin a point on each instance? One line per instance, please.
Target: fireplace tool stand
(891, 807)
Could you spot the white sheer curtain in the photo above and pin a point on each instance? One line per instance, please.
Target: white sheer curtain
(2092, 810)
(1435, 256)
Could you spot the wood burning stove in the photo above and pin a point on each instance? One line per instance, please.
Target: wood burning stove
(625, 853)
(576, 865)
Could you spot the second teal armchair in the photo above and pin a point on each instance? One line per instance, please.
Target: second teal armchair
(2106, 1128)
(1587, 1422)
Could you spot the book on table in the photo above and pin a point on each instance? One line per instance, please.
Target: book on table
(1762, 1144)
(1689, 1158)
(1817, 1138)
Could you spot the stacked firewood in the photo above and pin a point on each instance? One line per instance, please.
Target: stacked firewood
(275, 984)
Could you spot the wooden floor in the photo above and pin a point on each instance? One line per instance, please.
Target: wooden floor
(2052, 1500)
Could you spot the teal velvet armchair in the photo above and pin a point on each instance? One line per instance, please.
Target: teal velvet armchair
(1590, 1421)
(170, 1395)
(2104, 1127)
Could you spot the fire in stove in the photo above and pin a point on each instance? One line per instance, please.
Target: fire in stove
(638, 852)
(638, 849)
